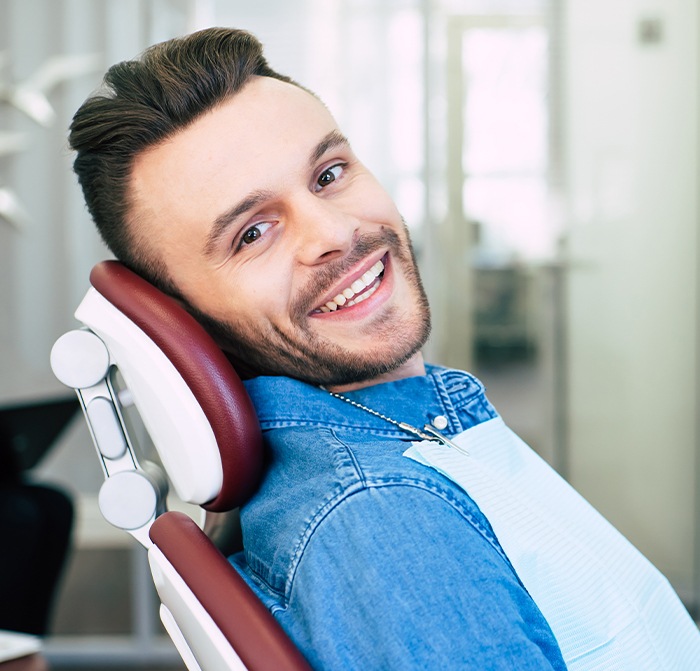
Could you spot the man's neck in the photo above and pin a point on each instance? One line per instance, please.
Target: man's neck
(415, 366)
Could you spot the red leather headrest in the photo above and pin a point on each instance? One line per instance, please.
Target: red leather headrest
(204, 368)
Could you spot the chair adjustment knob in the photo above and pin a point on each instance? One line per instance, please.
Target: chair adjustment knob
(79, 359)
(128, 500)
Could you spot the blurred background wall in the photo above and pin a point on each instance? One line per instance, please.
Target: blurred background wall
(545, 156)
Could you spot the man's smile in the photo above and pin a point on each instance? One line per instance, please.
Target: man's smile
(359, 290)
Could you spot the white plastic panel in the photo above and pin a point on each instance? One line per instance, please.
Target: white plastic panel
(206, 642)
(178, 639)
(174, 419)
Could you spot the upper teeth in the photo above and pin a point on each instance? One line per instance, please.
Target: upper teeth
(349, 296)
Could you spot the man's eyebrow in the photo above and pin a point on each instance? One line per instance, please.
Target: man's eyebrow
(334, 139)
(224, 221)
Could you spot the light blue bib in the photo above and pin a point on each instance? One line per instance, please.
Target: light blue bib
(607, 605)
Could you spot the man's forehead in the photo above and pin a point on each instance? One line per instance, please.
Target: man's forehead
(251, 109)
(266, 113)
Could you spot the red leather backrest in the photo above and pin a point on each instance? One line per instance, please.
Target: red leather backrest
(250, 628)
(205, 369)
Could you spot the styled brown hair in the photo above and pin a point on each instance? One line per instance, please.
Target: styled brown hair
(141, 103)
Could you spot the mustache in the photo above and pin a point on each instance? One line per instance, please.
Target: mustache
(327, 276)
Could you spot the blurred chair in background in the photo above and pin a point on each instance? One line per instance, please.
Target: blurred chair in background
(36, 519)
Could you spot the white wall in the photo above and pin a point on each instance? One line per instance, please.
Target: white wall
(44, 266)
(631, 119)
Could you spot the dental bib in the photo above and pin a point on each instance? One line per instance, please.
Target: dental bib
(608, 606)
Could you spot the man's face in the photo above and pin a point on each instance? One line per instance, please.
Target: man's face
(281, 241)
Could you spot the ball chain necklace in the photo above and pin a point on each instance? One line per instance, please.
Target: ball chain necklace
(429, 432)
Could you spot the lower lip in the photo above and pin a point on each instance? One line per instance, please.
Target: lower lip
(368, 305)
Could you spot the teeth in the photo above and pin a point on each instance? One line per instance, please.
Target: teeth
(346, 297)
(362, 297)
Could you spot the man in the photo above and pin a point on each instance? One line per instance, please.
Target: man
(232, 188)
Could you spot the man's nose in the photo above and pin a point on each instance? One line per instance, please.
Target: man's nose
(325, 231)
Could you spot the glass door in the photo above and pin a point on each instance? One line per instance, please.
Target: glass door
(500, 212)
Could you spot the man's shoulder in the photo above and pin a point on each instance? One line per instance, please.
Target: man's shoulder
(315, 474)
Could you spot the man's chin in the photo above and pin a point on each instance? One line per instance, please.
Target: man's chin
(326, 363)
(337, 366)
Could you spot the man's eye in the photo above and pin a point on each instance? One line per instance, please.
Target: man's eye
(254, 233)
(328, 176)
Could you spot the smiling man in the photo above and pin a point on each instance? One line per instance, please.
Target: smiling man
(231, 187)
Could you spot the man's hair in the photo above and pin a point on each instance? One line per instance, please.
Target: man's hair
(141, 103)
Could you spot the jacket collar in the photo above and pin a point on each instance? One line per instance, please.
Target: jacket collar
(284, 402)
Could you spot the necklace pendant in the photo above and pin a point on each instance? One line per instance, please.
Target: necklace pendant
(429, 432)
(435, 435)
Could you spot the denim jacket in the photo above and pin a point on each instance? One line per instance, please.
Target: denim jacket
(369, 560)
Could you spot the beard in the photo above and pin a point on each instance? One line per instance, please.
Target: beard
(303, 354)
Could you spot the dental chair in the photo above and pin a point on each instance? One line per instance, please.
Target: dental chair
(141, 350)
